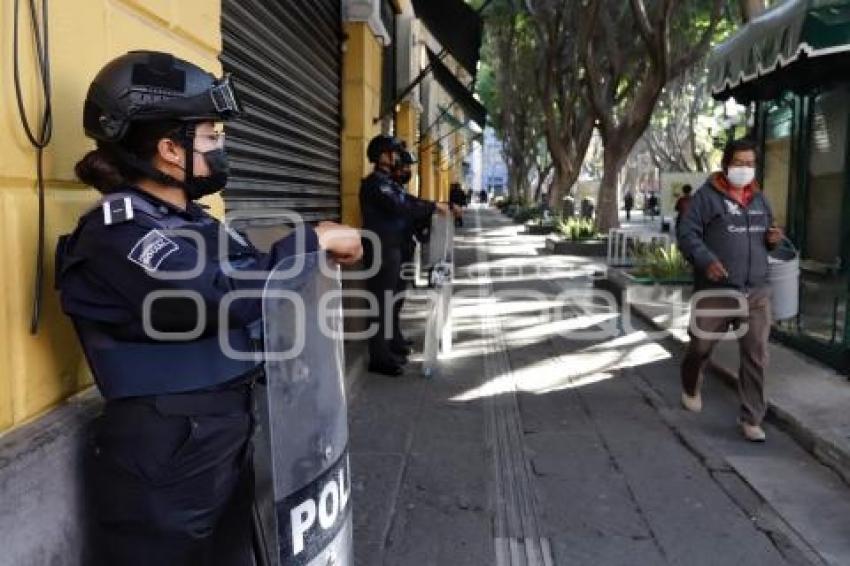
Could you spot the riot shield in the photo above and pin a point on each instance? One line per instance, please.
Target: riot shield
(301, 456)
(438, 329)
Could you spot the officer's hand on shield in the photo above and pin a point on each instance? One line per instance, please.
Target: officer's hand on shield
(342, 242)
(442, 208)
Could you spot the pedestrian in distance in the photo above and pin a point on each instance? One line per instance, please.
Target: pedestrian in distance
(169, 461)
(682, 202)
(629, 204)
(726, 233)
(652, 205)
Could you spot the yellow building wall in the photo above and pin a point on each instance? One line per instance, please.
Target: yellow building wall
(427, 181)
(406, 120)
(361, 101)
(458, 153)
(39, 372)
(443, 175)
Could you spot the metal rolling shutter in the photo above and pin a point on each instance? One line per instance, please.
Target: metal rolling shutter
(287, 60)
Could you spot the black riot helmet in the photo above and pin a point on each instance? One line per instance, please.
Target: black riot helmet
(148, 86)
(382, 143)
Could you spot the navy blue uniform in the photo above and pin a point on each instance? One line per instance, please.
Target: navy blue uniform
(392, 214)
(170, 456)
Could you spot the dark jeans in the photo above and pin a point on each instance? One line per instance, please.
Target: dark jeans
(753, 348)
(171, 483)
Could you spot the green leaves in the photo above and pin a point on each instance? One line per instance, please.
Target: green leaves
(576, 229)
(662, 263)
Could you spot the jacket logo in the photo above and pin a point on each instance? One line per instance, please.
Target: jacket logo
(152, 249)
(733, 208)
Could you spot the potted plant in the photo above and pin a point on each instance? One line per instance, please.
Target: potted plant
(576, 236)
(657, 287)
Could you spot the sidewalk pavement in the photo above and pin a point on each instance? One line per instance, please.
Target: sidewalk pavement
(535, 448)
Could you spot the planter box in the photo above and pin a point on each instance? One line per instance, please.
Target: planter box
(596, 247)
(665, 303)
(539, 229)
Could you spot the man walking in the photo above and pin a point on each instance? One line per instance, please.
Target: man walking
(725, 233)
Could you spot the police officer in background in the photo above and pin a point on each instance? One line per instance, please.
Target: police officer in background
(417, 231)
(391, 214)
(457, 198)
(170, 457)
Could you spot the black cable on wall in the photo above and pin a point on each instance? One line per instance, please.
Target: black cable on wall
(41, 139)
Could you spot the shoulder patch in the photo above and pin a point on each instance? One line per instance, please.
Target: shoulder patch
(152, 249)
(117, 210)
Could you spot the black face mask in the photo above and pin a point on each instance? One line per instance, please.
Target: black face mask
(403, 177)
(197, 187)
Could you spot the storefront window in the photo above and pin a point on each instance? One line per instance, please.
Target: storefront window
(824, 283)
(779, 122)
(828, 148)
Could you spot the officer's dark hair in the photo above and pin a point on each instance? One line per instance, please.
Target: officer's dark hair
(687, 189)
(102, 169)
(736, 146)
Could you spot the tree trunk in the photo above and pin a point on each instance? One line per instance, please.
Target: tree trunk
(751, 8)
(607, 210)
(560, 187)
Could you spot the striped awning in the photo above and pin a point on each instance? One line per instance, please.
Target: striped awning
(793, 46)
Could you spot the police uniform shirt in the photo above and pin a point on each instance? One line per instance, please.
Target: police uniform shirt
(135, 244)
(388, 211)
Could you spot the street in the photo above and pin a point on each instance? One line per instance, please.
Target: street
(535, 445)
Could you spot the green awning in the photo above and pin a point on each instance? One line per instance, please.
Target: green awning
(456, 89)
(793, 46)
(457, 26)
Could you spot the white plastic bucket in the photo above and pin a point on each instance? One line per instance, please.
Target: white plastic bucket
(783, 274)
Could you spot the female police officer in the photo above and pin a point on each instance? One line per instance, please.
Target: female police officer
(170, 472)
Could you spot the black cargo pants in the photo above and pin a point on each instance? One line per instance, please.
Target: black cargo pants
(171, 480)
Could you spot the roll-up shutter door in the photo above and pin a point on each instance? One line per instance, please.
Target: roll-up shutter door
(285, 152)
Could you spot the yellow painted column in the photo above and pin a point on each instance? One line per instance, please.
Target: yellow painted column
(443, 185)
(457, 158)
(406, 121)
(426, 168)
(361, 99)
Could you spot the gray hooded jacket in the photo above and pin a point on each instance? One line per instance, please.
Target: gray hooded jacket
(716, 227)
